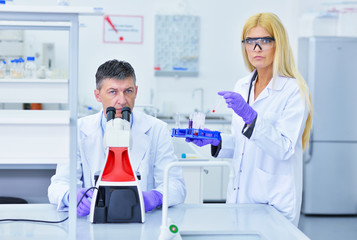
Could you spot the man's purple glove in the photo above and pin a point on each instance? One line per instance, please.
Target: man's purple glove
(239, 106)
(83, 208)
(152, 199)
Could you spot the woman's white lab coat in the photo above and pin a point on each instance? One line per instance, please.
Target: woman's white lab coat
(268, 166)
(151, 150)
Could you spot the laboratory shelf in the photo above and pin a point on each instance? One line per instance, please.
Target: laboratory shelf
(31, 163)
(32, 25)
(33, 80)
(28, 117)
(26, 166)
(51, 10)
(34, 90)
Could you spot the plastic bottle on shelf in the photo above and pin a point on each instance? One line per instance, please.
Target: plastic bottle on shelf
(13, 68)
(2, 69)
(30, 68)
(17, 68)
(21, 67)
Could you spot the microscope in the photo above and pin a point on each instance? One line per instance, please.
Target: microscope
(117, 197)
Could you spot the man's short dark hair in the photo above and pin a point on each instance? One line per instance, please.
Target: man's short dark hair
(114, 69)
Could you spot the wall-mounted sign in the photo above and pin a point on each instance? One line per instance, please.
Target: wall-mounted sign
(123, 29)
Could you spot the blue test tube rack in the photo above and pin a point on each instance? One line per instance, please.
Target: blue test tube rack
(195, 133)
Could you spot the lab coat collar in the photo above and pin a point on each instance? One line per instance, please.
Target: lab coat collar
(277, 84)
(274, 85)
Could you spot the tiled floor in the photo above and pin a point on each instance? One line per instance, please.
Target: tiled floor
(329, 227)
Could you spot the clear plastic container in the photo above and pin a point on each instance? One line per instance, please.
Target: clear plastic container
(2, 69)
(13, 68)
(30, 68)
(17, 68)
(21, 68)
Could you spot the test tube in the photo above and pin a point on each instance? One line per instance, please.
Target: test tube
(190, 121)
(177, 119)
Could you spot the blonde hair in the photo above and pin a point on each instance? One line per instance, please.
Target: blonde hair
(284, 63)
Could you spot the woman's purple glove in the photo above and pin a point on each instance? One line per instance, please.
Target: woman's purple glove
(152, 199)
(83, 208)
(239, 106)
(203, 142)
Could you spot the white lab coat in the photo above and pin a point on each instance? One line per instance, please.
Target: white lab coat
(150, 152)
(268, 166)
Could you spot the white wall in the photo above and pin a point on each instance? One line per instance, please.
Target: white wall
(220, 65)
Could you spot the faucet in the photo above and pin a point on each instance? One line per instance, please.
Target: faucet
(202, 95)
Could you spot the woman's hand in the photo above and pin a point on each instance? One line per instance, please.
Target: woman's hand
(239, 106)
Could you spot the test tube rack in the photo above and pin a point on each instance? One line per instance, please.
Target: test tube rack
(195, 133)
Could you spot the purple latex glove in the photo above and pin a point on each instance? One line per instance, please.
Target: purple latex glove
(239, 106)
(83, 207)
(203, 142)
(152, 199)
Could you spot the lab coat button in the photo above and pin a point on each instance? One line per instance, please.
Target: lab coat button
(234, 189)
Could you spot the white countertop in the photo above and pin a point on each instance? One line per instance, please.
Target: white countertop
(220, 221)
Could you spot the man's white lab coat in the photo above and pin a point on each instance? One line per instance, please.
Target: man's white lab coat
(150, 152)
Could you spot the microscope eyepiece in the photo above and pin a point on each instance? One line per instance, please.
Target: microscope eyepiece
(125, 112)
(110, 113)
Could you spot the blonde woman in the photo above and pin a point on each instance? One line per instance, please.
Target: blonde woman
(270, 124)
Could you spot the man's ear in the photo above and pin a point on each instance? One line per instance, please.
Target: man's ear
(97, 95)
(136, 92)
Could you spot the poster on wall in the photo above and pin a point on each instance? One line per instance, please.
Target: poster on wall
(123, 29)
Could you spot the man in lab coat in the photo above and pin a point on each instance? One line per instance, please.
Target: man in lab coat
(151, 150)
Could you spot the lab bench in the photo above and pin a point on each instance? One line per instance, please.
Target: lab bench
(195, 221)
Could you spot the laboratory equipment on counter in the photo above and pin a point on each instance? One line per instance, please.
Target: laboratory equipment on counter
(330, 182)
(196, 133)
(117, 197)
(168, 229)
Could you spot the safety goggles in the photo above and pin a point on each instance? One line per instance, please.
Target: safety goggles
(259, 44)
